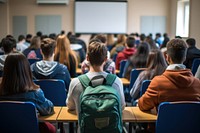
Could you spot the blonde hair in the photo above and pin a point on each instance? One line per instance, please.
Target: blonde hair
(63, 51)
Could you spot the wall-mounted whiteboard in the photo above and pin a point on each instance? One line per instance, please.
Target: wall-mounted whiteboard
(100, 17)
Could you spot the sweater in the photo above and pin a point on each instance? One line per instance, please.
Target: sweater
(171, 86)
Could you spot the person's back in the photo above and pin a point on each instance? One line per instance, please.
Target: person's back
(192, 52)
(21, 43)
(17, 85)
(9, 46)
(47, 68)
(33, 51)
(97, 56)
(127, 52)
(175, 84)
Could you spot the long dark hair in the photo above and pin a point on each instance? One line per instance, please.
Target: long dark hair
(17, 76)
(139, 59)
(155, 62)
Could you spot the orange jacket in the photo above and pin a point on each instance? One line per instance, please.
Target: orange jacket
(172, 85)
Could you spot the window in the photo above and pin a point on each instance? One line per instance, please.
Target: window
(182, 23)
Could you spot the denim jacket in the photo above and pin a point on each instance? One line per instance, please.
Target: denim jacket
(43, 105)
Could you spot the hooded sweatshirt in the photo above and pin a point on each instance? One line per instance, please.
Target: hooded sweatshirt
(124, 55)
(51, 70)
(171, 86)
(2, 60)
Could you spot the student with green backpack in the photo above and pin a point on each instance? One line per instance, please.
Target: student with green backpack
(97, 96)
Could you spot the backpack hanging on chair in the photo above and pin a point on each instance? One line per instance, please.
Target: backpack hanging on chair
(100, 106)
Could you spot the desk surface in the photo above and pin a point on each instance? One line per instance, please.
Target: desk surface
(125, 81)
(147, 116)
(51, 118)
(67, 116)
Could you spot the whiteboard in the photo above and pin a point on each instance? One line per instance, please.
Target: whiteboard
(100, 17)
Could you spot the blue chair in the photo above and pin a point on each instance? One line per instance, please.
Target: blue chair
(133, 76)
(31, 61)
(195, 65)
(178, 117)
(18, 117)
(54, 90)
(121, 68)
(144, 86)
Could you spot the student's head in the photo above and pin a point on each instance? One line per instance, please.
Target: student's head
(130, 41)
(35, 43)
(21, 38)
(176, 51)
(143, 49)
(28, 38)
(97, 53)
(17, 75)
(8, 44)
(48, 46)
(63, 43)
(101, 37)
(39, 34)
(191, 42)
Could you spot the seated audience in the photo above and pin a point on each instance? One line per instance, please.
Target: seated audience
(33, 51)
(192, 52)
(138, 60)
(9, 46)
(127, 52)
(17, 85)
(97, 55)
(28, 40)
(21, 44)
(156, 65)
(66, 56)
(176, 84)
(48, 68)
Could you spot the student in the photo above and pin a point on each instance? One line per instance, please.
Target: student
(17, 85)
(109, 65)
(97, 55)
(127, 52)
(9, 46)
(175, 84)
(48, 68)
(138, 60)
(66, 56)
(21, 44)
(156, 65)
(33, 51)
(192, 52)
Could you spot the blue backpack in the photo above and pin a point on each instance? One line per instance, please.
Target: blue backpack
(100, 106)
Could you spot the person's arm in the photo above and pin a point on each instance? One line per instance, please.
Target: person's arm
(149, 99)
(197, 75)
(135, 90)
(118, 84)
(70, 102)
(43, 105)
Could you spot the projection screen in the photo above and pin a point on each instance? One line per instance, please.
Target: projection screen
(100, 17)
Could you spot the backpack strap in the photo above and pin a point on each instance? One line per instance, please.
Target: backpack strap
(110, 79)
(84, 80)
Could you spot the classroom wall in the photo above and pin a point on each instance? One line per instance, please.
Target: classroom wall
(194, 31)
(136, 9)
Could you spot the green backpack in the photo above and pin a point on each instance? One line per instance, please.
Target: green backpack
(100, 106)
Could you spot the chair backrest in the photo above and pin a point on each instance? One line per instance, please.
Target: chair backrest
(31, 61)
(54, 90)
(18, 117)
(144, 86)
(178, 117)
(195, 65)
(134, 74)
(121, 68)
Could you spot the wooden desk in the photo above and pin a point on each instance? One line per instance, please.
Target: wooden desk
(125, 81)
(78, 71)
(70, 116)
(51, 118)
(67, 116)
(127, 115)
(146, 116)
(117, 71)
